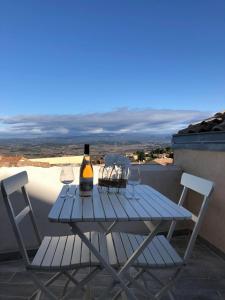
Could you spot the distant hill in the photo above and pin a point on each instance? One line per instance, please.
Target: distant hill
(104, 138)
(73, 145)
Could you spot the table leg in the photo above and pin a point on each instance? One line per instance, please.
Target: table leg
(154, 230)
(109, 229)
(103, 262)
(141, 248)
(117, 276)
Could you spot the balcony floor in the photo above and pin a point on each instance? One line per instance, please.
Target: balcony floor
(202, 279)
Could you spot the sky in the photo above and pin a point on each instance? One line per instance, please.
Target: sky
(151, 66)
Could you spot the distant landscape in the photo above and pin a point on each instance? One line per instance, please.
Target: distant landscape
(65, 146)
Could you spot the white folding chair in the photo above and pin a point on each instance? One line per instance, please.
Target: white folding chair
(59, 254)
(160, 254)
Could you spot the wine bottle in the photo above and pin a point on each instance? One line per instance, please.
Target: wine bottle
(86, 174)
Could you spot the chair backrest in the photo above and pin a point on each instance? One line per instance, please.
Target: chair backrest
(116, 159)
(203, 187)
(8, 186)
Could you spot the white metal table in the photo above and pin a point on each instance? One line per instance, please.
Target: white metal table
(152, 208)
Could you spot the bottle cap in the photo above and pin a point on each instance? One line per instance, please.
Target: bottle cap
(86, 149)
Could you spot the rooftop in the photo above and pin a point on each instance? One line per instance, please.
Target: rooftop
(214, 123)
(13, 160)
(162, 161)
(203, 278)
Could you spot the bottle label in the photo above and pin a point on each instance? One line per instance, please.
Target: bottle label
(86, 186)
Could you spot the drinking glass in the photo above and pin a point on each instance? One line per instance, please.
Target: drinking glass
(67, 177)
(134, 179)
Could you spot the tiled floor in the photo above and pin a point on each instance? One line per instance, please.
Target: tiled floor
(202, 279)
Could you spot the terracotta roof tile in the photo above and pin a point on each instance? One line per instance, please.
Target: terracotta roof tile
(163, 161)
(19, 161)
(11, 159)
(215, 123)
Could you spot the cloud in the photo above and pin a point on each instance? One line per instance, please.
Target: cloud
(121, 120)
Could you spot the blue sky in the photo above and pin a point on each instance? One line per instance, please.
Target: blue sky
(85, 57)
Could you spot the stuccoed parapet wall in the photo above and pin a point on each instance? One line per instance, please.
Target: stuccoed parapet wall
(203, 154)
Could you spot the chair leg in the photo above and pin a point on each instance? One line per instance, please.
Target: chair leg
(108, 289)
(42, 287)
(38, 297)
(47, 283)
(166, 287)
(81, 283)
(160, 283)
(144, 281)
(129, 283)
(67, 283)
(171, 295)
(140, 287)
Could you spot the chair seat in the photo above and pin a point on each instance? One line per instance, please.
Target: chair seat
(158, 254)
(68, 252)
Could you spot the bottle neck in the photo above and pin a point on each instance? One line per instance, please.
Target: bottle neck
(87, 157)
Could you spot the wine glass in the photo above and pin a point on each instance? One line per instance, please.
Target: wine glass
(134, 179)
(67, 177)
